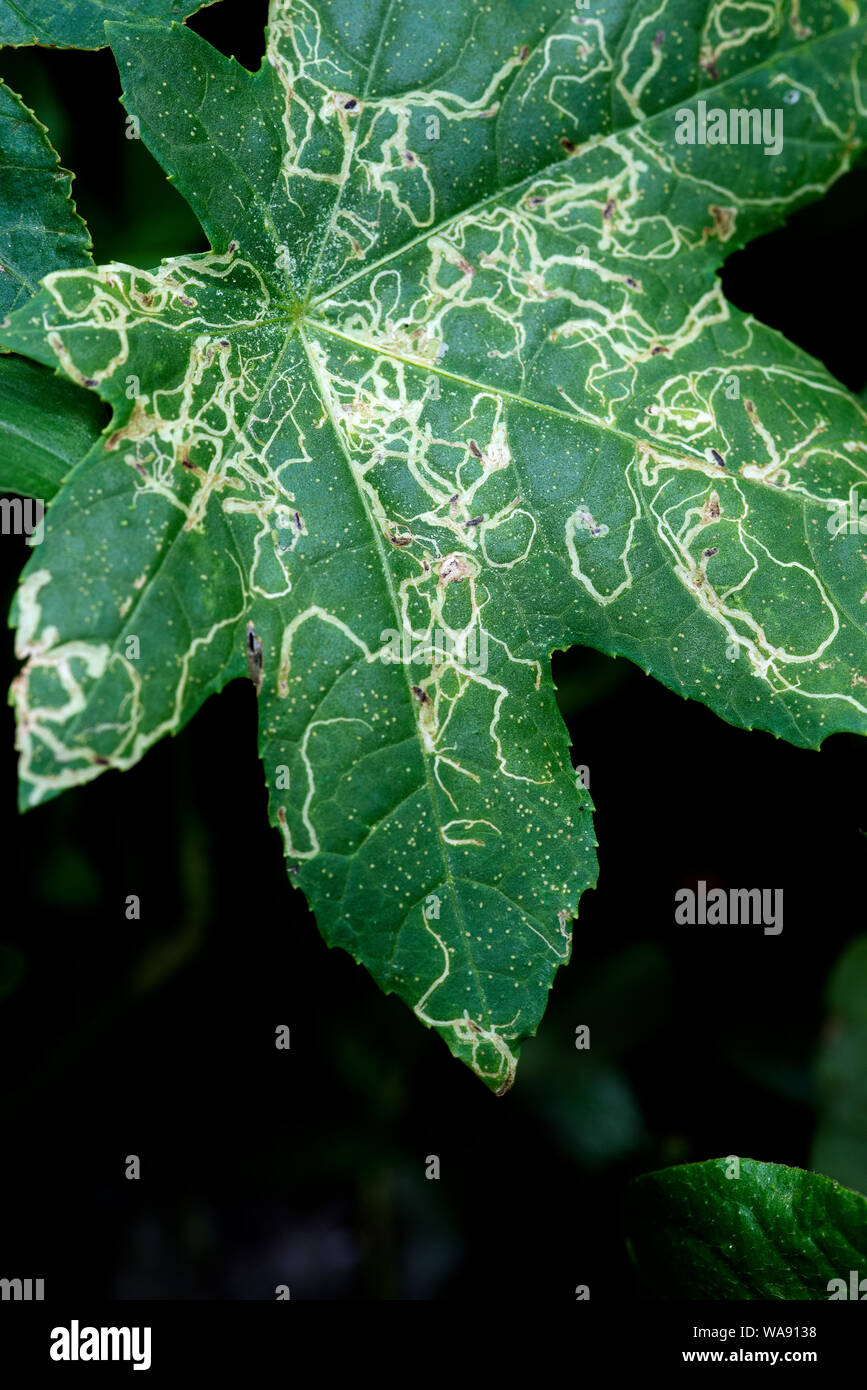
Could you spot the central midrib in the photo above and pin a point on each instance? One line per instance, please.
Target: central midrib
(393, 599)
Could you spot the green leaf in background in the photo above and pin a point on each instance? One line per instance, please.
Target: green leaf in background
(80, 23)
(39, 227)
(47, 426)
(770, 1233)
(46, 423)
(840, 1144)
(456, 386)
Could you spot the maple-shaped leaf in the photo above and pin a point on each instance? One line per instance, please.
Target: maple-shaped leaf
(456, 386)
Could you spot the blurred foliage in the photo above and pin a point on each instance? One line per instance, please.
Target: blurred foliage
(840, 1145)
(13, 968)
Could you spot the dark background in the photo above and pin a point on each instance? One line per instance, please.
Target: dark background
(307, 1167)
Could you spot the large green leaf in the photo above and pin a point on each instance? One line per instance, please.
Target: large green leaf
(732, 1229)
(458, 363)
(80, 23)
